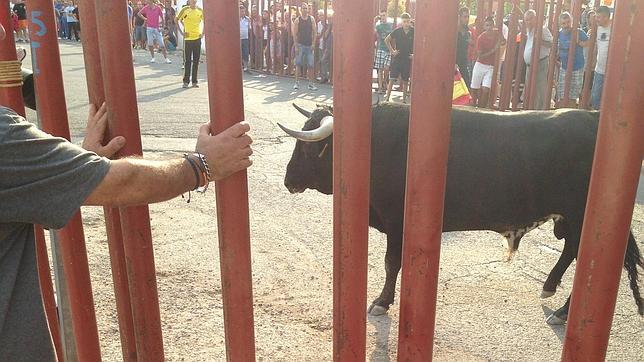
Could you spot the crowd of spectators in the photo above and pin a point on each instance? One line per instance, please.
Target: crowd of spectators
(477, 50)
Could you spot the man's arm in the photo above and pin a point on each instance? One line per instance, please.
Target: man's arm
(134, 181)
(314, 32)
(393, 51)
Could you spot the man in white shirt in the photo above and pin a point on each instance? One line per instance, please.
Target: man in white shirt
(72, 22)
(603, 38)
(540, 99)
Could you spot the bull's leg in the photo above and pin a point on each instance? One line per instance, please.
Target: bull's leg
(568, 254)
(560, 316)
(393, 259)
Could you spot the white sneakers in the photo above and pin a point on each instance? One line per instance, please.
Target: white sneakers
(167, 61)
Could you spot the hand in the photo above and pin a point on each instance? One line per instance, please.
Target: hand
(395, 52)
(228, 152)
(95, 133)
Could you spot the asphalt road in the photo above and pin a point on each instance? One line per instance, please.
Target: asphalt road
(488, 309)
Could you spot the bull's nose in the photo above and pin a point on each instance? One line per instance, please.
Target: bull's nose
(294, 189)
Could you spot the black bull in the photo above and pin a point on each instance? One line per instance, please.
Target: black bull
(507, 172)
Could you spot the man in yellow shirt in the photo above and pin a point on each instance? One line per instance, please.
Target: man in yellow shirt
(190, 19)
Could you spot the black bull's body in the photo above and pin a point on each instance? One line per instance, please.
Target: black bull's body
(507, 172)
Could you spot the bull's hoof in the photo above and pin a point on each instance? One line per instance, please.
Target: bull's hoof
(377, 310)
(547, 293)
(554, 320)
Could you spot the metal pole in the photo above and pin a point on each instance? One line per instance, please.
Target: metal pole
(64, 310)
(511, 61)
(96, 94)
(52, 114)
(576, 14)
(611, 197)
(47, 291)
(353, 57)
(10, 95)
(497, 54)
(552, 61)
(429, 133)
(584, 101)
(227, 108)
(536, 51)
(274, 37)
(123, 120)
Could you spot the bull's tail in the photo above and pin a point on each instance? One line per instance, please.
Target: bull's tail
(632, 260)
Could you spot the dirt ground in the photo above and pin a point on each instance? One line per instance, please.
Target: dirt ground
(488, 309)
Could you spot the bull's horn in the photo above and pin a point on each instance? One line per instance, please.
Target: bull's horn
(304, 112)
(322, 132)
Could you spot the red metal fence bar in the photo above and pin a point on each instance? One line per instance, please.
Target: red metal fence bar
(123, 120)
(96, 93)
(511, 60)
(353, 57)
(10, 96)
(552, 61)
(531, 78)
(574, 37)
(47, 291)
(52, 114)
(227, 108)
(429, 132)
(584, 101)
(613, 186)
(497, 55)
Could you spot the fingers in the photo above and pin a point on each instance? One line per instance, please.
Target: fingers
(115, 145)
(245, 140)
(238, 129)
(204, 130)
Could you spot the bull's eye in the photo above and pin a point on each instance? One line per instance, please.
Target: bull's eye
(323, 151)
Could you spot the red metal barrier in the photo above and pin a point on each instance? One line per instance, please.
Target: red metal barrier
(497, 55)
(510, 65)
(552, 61)
(531, 85)
(353, 60)
(613, 186)
(576, 14)
(10, 95)
(429, 132)
(123, 119)
(47, 291)
(227, 108)
(52, 113)
(96, 93)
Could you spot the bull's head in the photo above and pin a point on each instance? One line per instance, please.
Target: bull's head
(311, 166)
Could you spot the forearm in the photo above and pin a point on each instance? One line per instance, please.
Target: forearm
(133, 181)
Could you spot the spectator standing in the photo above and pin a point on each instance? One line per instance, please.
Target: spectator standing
(170, 18)
(20, 9)
(191, 18)
(540, 100)
(382, 59)
(255, 37)
(321, 27)
(304, 34)
(603, 38)
(72, 22)
(463, 43)
(139, 27)
(152, 14)
(400, 43)
(267, 28)
(62, 19)
(244, 33)
(487, 44)
(577, 80)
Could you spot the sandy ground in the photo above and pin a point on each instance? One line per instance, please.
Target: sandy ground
(488, 309)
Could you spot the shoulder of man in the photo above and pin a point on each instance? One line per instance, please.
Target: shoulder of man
(8, 117)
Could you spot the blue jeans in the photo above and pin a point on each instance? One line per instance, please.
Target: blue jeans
(304, 56)
(245, 48)
(596, 94)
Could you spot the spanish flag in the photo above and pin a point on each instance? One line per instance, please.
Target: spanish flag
(461, 95)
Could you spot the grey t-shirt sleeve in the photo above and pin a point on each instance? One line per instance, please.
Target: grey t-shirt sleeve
(43, 179)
